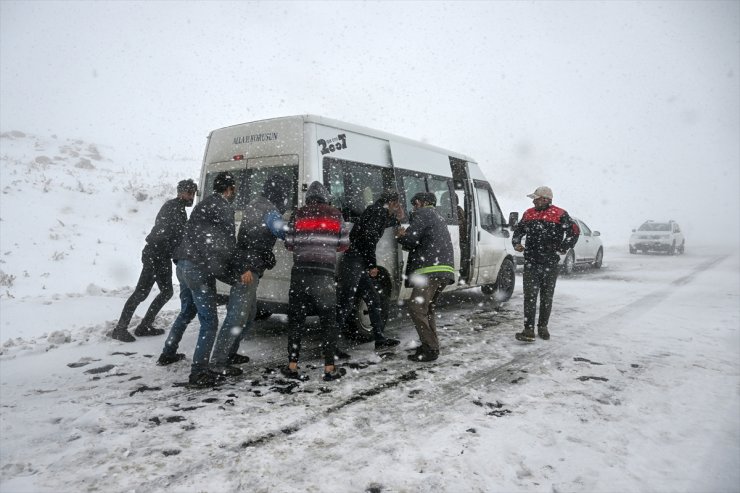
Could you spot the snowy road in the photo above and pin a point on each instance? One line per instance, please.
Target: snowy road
(638, 390)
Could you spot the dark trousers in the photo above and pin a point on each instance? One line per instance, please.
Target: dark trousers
(354, 281)
(315, 293)
(538, 279)
(154, 269)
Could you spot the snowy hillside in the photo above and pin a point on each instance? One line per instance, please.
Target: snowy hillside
(69, 206)
(73, 218)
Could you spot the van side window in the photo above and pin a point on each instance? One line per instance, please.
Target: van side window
(353, 186)
(585, 230)
(412, 183)
(442, 189)
(490, 215)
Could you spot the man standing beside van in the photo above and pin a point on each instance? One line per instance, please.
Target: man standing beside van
(315, 235)
(358, 265)
(201, 258)
(156, 259)
(262, 224)
(550, 233)
(429, 268)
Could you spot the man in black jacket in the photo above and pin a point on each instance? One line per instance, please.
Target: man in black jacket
(156, 259)
(550, 233)
(201, 258)
(429, 269)
(358, 266)
(262, 224)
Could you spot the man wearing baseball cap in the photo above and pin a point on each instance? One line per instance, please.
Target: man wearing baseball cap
(550, 233)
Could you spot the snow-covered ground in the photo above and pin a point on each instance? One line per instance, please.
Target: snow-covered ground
(638, 389)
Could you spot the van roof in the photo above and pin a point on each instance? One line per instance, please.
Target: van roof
(308, 118)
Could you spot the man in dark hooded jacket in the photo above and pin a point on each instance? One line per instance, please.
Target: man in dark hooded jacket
(201, 258)
(315, 235)
(359, 265)
(429, 268)
(262, 224)
(156, 259)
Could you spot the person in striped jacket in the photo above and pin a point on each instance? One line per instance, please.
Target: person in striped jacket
(315, 234)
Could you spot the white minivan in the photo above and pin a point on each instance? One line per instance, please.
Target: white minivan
(356, 164)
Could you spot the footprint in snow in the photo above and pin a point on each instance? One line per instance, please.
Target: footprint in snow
(100, 369)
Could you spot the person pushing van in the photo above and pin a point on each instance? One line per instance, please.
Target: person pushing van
(430, 267)
(201, 258)
(262, 224)
(315, 235)
(156, 260)
(359, 265)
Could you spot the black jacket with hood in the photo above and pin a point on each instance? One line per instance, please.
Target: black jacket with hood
(367, 231)
(168, 230)
(429, 244)
(209, 238)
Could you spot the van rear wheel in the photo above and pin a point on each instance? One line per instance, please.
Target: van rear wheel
(360, 328)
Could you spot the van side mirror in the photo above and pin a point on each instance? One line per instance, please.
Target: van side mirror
(596, 233)
(634, 230)
(513, 219)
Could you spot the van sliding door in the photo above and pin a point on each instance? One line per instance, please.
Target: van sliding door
(466, 218)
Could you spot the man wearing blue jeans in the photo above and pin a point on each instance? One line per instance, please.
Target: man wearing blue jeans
(197, 297)
(201, 258)
(262, 224)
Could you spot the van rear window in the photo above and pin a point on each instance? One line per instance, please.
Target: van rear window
(250, 180)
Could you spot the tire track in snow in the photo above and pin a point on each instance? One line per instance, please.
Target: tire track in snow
(458, 389)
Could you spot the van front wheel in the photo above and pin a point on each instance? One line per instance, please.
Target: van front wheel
(503, 289)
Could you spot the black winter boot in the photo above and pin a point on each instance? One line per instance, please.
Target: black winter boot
(121, 334)
(203, 380)
(424, 355)
(237, 359)
(527, 335)
(147, 330)
(336, 374)
(165, 359)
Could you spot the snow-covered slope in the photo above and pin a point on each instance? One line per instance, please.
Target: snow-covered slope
(73, 218)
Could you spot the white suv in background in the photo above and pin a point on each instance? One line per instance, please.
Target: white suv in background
(662, 236)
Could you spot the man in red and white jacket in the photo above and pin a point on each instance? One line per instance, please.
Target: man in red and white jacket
(550, 233)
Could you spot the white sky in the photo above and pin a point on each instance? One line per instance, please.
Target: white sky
(629, 110)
